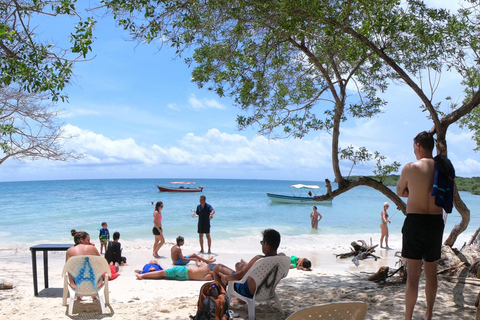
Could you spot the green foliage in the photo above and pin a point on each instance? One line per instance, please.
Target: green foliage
(30, 65)
(298, 66)
(471, 185)
(284, 67)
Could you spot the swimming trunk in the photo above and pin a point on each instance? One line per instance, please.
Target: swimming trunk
(177, 273)
(179, 262)
(422, 237)
(243, 289)
(155, 231)
(146, 268)
(293, 261)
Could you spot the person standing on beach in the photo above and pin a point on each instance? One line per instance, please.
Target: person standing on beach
(104, 237)
(157, 229)
(205, 213)
(383, 225)
(223, 274)
(315, 216)
(423, 226)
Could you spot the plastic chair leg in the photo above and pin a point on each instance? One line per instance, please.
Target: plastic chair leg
(251, 310)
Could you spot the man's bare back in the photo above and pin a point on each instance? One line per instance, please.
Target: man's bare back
(416, 183)
(176, 253)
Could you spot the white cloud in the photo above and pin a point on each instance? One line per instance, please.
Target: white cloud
(100, 149)
(75, 112)
(199, 104)
(173, 106)
(209, 152)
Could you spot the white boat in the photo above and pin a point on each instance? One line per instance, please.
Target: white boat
(179, 187)
(302, 193)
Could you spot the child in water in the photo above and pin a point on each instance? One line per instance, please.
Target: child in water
(104, 237)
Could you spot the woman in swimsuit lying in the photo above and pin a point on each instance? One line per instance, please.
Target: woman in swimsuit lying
(202, 273)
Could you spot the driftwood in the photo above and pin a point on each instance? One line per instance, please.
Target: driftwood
(385, 275)
(359, 252)
(5, 285)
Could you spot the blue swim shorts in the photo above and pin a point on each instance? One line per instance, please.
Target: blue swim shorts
(179, 262)
(243, 289)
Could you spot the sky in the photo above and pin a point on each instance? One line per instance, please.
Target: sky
(135, 113)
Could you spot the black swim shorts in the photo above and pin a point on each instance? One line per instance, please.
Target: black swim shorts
(155, 231)
(204, 227)
(422, 237)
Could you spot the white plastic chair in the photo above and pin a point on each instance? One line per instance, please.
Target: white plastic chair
(332, 311)
(267, 273)
(87, 272)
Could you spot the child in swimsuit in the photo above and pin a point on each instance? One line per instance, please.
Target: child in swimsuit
(104, 237)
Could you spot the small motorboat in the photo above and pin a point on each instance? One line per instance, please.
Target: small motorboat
(179, 186)
(302, 193)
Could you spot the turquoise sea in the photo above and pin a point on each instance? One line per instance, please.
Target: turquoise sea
(46, 211)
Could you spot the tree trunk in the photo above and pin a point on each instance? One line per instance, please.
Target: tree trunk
(462, 226)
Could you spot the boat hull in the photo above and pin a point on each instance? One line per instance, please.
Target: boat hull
(178, 189)
(278, 198)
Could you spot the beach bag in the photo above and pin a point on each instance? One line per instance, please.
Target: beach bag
(210, 305)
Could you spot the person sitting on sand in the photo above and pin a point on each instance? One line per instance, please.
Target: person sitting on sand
(300, 263)
(223, 274)
(202, 273)
(179, 260)
(113, 254)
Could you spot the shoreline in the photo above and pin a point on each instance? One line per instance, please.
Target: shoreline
(331, 279)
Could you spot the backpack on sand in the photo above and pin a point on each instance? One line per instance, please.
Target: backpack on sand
(210, 305)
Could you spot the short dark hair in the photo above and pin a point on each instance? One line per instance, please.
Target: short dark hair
(116, 235)
(306, 264)
(180, 239)
(272, 237)
(425, 140)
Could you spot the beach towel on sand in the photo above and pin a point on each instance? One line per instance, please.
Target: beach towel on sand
(443, 183)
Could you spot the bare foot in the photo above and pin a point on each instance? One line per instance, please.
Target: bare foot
(139, 276)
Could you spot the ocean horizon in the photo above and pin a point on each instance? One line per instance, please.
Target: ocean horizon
(46, 211)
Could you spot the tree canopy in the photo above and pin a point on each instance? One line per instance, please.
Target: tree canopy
(311, 65)
(32, 71)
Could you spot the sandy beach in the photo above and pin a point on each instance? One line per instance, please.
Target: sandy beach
(331, 280)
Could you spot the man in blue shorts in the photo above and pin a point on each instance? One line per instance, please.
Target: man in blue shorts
(423, 226)
(223, 274)
(179, 259)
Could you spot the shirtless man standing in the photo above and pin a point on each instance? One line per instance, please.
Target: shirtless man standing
(423, 226)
